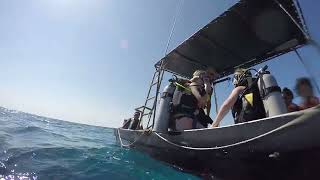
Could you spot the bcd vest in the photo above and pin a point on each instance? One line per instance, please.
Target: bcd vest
(188, 105)
(249, 106)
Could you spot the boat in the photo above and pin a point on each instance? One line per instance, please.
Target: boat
(282, 145)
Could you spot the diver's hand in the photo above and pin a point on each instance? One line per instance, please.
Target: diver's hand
(215, 124)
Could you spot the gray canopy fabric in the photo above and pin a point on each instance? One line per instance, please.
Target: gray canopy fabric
(250, 32)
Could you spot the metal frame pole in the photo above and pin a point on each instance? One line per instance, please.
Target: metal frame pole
(215, 99)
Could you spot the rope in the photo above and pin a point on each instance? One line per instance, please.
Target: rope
(175, 17)
(294, 122)
(178, 10)
(162, 65)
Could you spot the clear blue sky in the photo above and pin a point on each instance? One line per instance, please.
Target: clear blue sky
(90, 61)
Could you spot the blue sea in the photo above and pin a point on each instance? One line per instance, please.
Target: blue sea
(35, 147)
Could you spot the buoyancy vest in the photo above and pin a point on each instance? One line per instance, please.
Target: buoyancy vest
(249, 105)
(187, 105)
(184, 104)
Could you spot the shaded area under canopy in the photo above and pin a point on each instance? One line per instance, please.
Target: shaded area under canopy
(249, 33)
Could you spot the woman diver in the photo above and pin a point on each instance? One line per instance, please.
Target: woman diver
(244, 100)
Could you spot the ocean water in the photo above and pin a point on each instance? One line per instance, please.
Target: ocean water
(35, 147)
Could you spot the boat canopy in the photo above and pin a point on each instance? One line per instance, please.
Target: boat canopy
(249, 33)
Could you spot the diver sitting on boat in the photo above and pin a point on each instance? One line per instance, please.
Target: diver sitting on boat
(189, 100)
(253, 98)
(132, 123)
(126, 123)
(288, 98)
(244, 100)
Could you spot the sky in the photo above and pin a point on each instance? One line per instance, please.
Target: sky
(91, 61)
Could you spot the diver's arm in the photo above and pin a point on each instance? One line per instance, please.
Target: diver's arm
(195, 92)
(227, 105)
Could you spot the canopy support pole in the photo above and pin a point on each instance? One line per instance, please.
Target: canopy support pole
(312, 77)
(293, 20)
(215, 99)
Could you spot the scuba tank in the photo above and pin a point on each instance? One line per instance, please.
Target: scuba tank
(163, 112)
(177, 97)
(270, 93)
